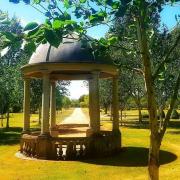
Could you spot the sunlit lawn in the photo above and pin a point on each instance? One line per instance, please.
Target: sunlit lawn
(16, 119)
(128, 164)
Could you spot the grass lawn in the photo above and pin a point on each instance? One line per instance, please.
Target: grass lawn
(131, 163)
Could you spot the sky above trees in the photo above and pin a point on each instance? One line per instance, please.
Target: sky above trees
(27, 13)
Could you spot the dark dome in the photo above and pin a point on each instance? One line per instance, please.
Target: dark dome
(70, 50)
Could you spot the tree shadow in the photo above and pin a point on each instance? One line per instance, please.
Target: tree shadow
(173, 132)
(174, 124)
(135, 124)
(10, 136)
(132, 157)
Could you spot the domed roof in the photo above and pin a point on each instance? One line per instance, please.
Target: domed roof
(71, 50)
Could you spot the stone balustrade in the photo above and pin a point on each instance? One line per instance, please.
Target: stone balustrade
(28, 145)
(71, 148)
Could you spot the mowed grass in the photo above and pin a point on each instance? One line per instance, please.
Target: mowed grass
(16, 119)
(131, 163)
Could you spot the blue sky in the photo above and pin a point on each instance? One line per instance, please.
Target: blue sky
(26, 14)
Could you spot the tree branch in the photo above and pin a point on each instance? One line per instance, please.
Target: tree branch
(172, 103)
(166, 58)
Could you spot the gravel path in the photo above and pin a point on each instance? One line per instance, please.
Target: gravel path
(77, 117)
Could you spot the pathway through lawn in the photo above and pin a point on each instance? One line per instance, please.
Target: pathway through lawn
(77, 117)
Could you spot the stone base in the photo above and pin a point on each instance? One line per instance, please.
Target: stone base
(44, 146)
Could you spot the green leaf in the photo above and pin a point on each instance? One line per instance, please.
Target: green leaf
(66, 16)
(39, 39)
(66, 4)
(34, 32)
(115, 5)
(37, 1)
(30, 47)
(82, 1)
(103, 42)
(52, 37)
(48, 23)
(31, 26)
(70, 22)
(57, 24)
(112, 40)
(99, 17)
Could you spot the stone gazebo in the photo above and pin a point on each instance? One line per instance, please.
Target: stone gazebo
(70, 61)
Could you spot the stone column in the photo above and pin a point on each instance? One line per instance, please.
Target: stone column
(26, 105)
(94, 108)
(53, 105)
(90, 104)
(115, 104)
(45, 104)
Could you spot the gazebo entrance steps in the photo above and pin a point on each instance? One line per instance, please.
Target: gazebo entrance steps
(70, 130)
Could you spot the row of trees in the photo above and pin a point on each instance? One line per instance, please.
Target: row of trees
(132, 89)
(11, 91)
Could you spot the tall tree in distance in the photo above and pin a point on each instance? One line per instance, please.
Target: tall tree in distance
(105, 89)
(11, 61)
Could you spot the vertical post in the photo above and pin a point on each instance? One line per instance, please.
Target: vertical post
(53, 105)
(45, 104)
(94, 108)
(26, 105)
(90, 104)
(115, 104)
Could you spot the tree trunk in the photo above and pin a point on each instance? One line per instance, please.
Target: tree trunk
(153, 161)
(138, 103)
(7, 122)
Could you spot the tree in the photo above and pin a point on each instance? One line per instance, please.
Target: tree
(84, 101)
(142, 15)
(61, 95)
(10, 63)
(133, 85)
(105, 89)
(36, 95)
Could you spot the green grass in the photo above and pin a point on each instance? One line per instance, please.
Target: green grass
(16, 120)
(128, 164)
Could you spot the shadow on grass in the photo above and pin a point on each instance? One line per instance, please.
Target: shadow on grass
(173, 132)
(132, 157)
(174, 124)
(10, 136)
(145, 124)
